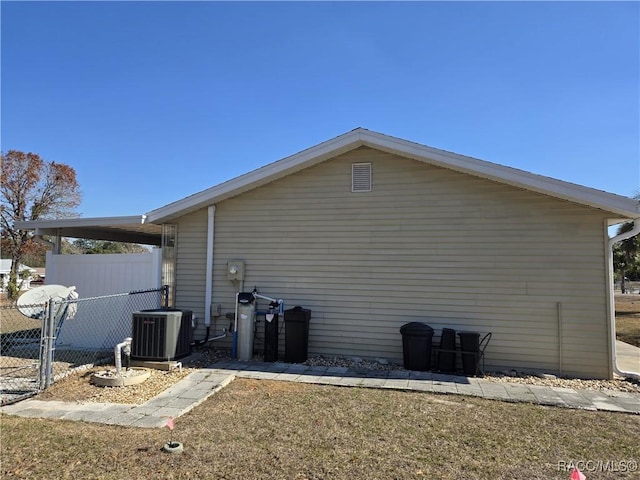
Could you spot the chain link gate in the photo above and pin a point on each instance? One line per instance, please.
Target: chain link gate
(20, 342)
(68, 335)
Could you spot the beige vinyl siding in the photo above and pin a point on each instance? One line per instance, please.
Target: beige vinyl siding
(426, 244)
(191, 265)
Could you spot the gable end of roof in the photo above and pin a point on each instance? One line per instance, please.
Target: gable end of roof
(622, 207)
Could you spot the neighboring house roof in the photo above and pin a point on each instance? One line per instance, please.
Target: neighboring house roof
(620, 206)
(41, 271)
(146, 229)
(5, 266)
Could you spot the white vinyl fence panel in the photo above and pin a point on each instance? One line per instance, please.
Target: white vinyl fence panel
(99, 323)
(100, 275)
(96, 275)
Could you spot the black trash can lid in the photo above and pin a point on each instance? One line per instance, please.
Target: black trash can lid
(468, 333)
(297, 308)
(416, 328)
(297, 314)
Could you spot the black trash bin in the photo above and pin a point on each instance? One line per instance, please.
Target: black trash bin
(416, 346)
(470, 351)
(447, 352)
(271, 334)
(296, 334)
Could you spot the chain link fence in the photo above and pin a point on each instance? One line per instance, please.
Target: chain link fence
(43, 343)
(20, 340)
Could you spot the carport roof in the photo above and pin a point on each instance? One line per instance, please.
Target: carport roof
(130, 229)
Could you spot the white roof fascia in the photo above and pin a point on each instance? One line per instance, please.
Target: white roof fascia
(621, 206)
(130, 229)
(79, 222)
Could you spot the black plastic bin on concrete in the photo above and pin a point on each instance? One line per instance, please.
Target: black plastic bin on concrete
(416, 346)
(296, 334)
(447, 351)
(470, 351)
(271, 334)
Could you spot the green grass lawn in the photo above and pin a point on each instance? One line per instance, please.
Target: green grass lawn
(276, 430)
(628, 319)
(628, 330)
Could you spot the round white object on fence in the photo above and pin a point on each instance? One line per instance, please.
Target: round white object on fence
(31, 303)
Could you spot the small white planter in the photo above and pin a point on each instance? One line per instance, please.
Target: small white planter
(173, 447)
(108, 378)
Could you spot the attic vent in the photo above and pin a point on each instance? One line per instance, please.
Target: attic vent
(360, 177)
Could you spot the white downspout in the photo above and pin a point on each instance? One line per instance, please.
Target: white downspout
(612, 306)
(208, 282)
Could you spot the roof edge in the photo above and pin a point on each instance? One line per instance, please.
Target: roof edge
(267, 173)
(620, 206)
(79, 221)
(611, 202)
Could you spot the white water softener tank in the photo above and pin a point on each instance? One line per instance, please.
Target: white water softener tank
(246, 325)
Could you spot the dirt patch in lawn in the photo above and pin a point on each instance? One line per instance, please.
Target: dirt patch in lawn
(77, 387)
(628, 318)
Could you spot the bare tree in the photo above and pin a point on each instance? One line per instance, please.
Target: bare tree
(32, 189)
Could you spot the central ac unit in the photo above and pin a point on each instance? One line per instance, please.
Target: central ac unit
(160, 335)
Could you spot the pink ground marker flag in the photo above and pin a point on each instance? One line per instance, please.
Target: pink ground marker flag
(171, 424)
(577, 475)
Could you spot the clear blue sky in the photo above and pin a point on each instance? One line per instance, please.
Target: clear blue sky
(153, 101)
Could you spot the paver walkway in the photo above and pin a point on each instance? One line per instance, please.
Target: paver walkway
(200, 385)
(627, 357)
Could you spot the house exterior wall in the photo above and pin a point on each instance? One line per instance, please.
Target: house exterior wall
(191, 266)
(426, 244)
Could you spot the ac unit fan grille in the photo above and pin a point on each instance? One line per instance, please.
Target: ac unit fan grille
(160, 335)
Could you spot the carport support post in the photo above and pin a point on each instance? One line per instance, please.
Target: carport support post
(43, 348)
(165, 296)
(46, 351)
